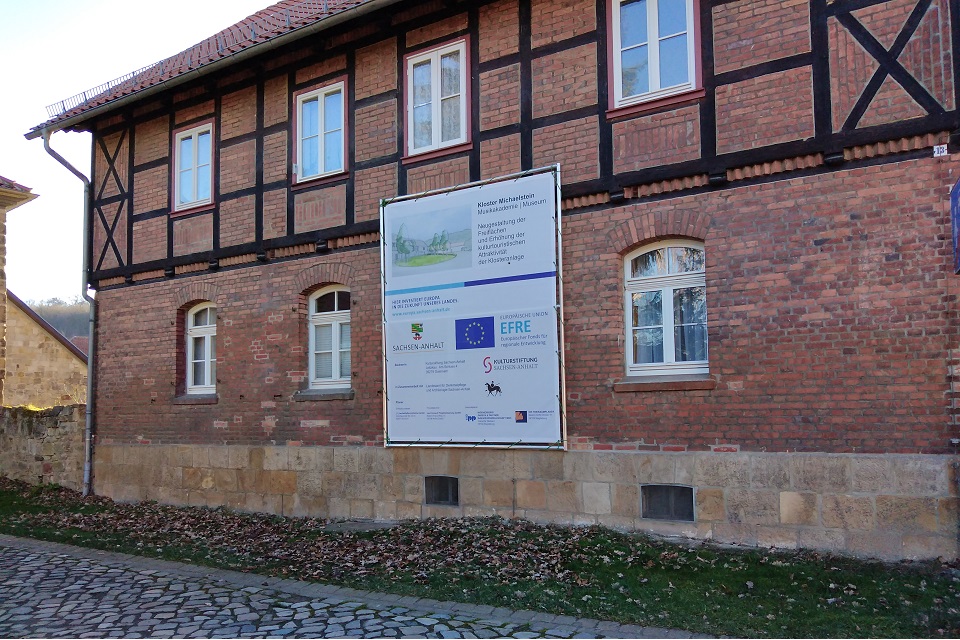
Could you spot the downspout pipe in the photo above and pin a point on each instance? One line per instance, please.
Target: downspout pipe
(91, 349)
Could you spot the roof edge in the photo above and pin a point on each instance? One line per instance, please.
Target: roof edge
(253, 50)
(20, 304)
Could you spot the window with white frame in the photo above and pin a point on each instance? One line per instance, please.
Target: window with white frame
(193, 150)
(320, 132)
(436, 98)
(666, 309)
(330, 338)
(653, 54)
(202, 349)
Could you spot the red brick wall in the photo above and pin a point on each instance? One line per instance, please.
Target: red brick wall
(376, 69)
(438, 175)
(238, 113)
(500, 97)
(150, 190)
(376, 130)
(276, 97)
(275, 213)
(152, 140)
(573, 144)
(237, 221)
(275, 157)
(336, 63)
(499, 29)
(826, 315)
(565, 81)
(436, 30)
(320, 209)
(149, 240)
(192, 235)
(238, 166)
(662, 138)
(749, 32)
(371, 186)
(555, 20)
(500, 156)
(260, 352)
(777, 107)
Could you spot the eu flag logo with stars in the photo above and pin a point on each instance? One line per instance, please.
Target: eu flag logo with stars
(475, 333)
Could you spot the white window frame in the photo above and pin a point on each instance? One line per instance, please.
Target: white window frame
(209, 333)
(653, 58)
(319, 95)
(337, 319)
(194, 133)
(434, 56)
(666, 284)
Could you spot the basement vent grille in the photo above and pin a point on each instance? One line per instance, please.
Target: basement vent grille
(443, 490)
(666, 502)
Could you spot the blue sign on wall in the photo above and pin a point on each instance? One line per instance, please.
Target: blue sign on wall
(955, 222)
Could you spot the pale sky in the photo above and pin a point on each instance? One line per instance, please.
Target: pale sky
(51, 50)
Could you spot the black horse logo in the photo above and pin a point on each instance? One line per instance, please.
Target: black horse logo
(493, 388)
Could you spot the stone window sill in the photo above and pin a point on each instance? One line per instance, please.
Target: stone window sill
(320, 395)
(197, 398)
(633, 384)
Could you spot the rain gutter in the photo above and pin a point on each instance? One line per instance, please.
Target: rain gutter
(91, 348)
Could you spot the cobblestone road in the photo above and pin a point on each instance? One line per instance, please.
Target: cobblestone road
(53, 590)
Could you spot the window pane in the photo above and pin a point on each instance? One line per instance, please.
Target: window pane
(344, 364)
(647, 346)
(323, 337)
(309, 118)
(332, 151)
(648, 309)
(186, 186)
(198, 373)
(186, 153)
(685, 259)
(673, 61)
(635, 73)
(345, 336)
(213, 372)
(203, 182)
(343, 300)
(326, 303)
(689, 305)
(332, 111)
(450, 119)
(421, 83)
(671, 17)
(309, 156)
(323, 368)
(652, 263)
(633, 23)
(213, 349)
(199, 348)
(690, 342)
(450, 74)
(200, 318)
(203, 148)
(422, 126)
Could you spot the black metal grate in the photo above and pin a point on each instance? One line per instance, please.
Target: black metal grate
(666, 502)
(444, 490)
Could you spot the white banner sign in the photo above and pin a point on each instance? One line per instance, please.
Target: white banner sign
(471, 344)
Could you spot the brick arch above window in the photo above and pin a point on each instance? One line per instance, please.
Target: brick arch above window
(658, 225)
(196, 292)
(310, 279)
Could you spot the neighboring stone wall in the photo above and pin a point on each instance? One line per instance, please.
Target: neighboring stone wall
(41, 371)
(885, 506)
(43, 447)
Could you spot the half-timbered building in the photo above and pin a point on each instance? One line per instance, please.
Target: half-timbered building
(759, 293)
